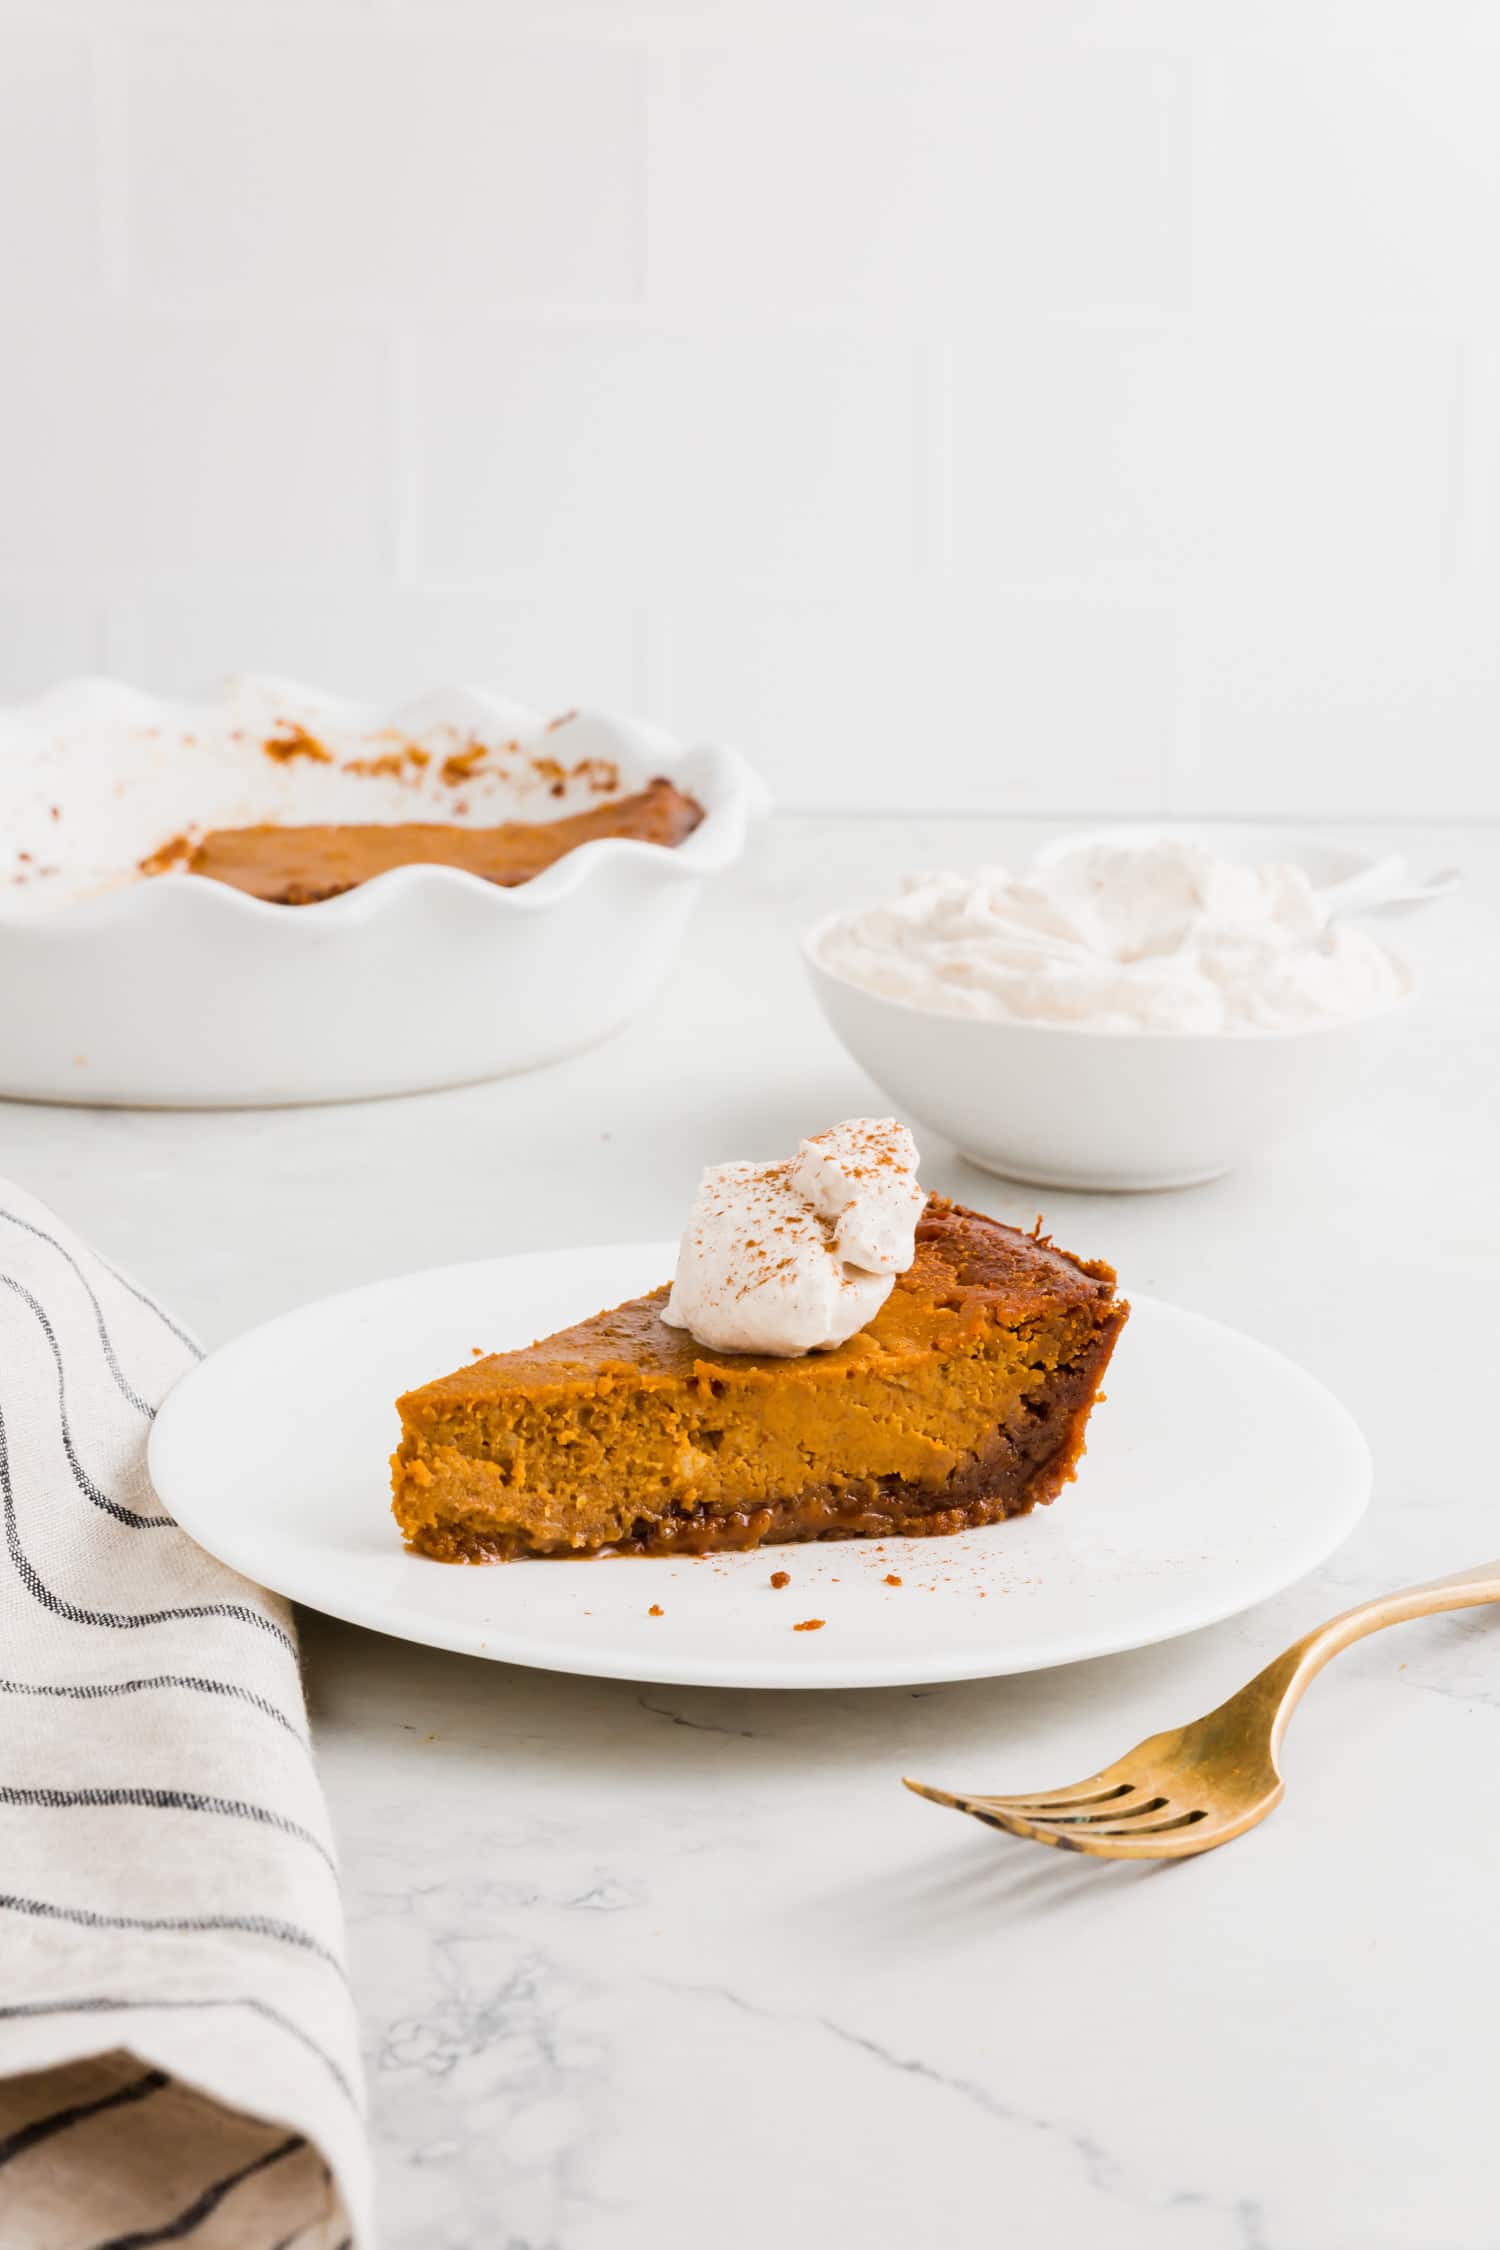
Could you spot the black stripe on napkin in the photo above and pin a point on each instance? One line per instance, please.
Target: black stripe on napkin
(204, 2205)
(186, 1925)
(43, 2128)
(288, 2239)
(166, 1800)
(90, 1691)
(151, 1306)
(124, 1388)
(81, 1477)
(113, 1618)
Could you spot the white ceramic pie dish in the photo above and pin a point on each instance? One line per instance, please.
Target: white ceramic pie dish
(173, 990)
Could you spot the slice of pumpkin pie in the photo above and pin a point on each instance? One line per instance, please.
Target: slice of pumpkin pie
(960, 1397)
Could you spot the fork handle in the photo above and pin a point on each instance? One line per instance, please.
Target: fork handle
(1285, 1679)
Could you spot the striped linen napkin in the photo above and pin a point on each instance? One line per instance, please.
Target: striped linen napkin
(178, 2051)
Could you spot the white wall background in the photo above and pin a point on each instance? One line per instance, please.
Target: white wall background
(1053, 404)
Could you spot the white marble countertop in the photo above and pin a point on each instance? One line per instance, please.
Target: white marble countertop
(654, 1969)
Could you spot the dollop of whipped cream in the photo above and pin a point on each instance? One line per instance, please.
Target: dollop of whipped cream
(1119, 937)
(799, 1256)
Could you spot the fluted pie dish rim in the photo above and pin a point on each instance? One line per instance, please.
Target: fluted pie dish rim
(178, 990)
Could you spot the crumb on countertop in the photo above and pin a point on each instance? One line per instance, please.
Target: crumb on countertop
(891, 1579)
(656, 1610)
(809, 1625)
(781, 1578)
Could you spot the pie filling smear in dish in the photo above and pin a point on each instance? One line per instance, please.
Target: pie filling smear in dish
(299, 866)
(962, 1401)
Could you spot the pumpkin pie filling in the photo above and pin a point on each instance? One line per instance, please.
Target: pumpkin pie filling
(299, 866)
(965, 1400)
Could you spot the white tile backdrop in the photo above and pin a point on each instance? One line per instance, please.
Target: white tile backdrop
(1059, 404)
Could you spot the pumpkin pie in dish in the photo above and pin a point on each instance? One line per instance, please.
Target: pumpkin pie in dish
(963, 1399)
(300, 866)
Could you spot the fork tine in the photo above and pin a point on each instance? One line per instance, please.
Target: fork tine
(1123, 1817)
(1098, 1789)
(1157, 1828)
(1179, 1838)
(1176, 1818)
(1063, 1800)
(936, 1796)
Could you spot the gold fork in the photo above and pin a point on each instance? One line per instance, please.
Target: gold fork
(1200, 1785)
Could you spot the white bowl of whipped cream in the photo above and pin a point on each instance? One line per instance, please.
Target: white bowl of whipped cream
(1137, 1011)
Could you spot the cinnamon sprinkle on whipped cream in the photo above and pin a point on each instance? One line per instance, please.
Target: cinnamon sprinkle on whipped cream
(798, 1256)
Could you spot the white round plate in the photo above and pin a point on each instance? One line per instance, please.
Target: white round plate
(1217, 1473)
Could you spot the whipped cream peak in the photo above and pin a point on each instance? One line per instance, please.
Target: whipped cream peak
(1124, 937)
(798, 1256)
(863, 1175)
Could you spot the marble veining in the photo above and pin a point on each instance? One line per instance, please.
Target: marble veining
(1103, 2169)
